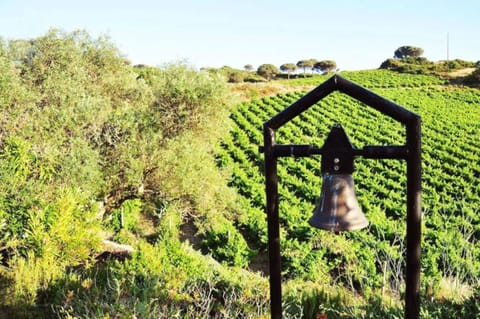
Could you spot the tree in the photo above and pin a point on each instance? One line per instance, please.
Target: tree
(248, 67)
(407, 51)
(288, 67)
(325, 66)
(268, 71)
(312, 63)
(306, 64)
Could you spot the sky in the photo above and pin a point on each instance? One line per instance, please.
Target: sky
(357, 34)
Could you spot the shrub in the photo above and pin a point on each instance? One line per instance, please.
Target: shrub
(226, 244)
(56, 235)
(475, 76)
(185, 98)
(126, 216)
(268, 71)
(390, 64)
(409, 64)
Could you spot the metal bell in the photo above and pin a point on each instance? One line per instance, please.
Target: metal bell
(338, 208)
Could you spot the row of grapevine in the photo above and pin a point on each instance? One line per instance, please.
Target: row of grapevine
(374, 79)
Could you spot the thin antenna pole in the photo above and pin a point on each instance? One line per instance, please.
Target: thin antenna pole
(448, 48)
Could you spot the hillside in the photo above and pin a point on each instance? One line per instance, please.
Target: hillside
(95, 150)
(370, 260)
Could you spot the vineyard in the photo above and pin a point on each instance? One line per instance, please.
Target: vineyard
(122, 197)
(368, 262)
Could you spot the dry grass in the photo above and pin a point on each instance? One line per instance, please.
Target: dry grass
(249, 91)
(458, 73)
(452, 289)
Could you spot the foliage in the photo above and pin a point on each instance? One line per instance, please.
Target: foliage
(268, 71)
(417, 65)
(249, 67)
(421, 65)
(226, 244)
(288, 67)
(233, 75)
(475, 76)
(407, 51)
(165, 280)
(85, 137)
(126, 216)
(455, 64)
(58, 236)
(371, 261)
(325, 66)
(306, 64)
(183, 97)
(390, 64)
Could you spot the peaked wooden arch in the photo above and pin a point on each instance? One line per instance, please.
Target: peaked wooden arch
(337, 83)
(411, 152)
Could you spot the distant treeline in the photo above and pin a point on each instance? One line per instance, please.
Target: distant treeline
(406, 59)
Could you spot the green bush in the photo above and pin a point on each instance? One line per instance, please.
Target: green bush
(226, 244)
(86, 136)
(413, 65)
(126, 216)
(475, 76)
(420, 65)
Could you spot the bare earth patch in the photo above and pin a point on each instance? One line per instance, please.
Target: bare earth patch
(459, 73)
(249, 91)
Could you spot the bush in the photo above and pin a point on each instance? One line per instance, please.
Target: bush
(390, 64)
(410, 64)
(268, 71)
(185, 98)
(475, 76)
(56, 236)
(226, 244)
(126, 216)
(420, 65)
(415, 60)
(232, 75)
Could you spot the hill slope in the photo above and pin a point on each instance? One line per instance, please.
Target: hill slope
(372, 259)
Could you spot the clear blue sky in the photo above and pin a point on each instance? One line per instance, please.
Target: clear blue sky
(357, 34)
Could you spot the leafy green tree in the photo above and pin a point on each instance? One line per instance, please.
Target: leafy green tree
(306, 64)
(268, 71)
(407, 51)
(312, 62)
(248, 67)
(325, 66)
(289, 68)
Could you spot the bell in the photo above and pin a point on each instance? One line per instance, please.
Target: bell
(338, 208)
